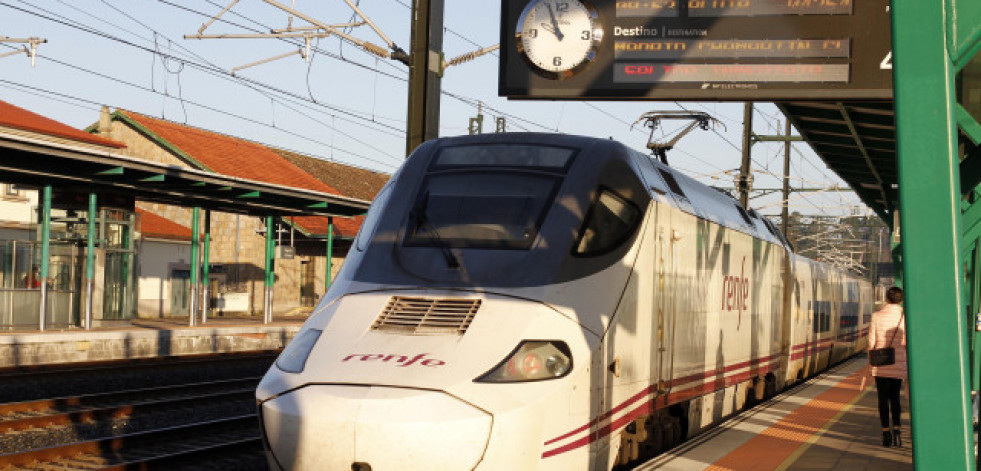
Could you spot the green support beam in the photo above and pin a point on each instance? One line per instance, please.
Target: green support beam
(90, 259)
(270, 271)
(926, 141)
(205, 262)
(192, 315)
(330, 253)
(968, 124)
(111, 171)
(45, 253)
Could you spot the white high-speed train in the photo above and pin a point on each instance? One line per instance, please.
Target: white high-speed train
(537, 301)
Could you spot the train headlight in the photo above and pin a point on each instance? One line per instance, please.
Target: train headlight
(532, 360)
(294, 356)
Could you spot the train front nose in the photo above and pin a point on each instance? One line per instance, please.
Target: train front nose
(331, 427)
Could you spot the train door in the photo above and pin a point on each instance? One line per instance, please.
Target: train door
(665, 301)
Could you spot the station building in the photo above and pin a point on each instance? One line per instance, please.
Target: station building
(142, 260)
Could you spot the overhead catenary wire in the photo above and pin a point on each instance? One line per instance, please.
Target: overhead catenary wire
(222, 74)
(211, 69)
(206, 107)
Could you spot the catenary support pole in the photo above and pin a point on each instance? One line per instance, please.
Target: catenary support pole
(192, 314)
(425, 72)
(45, 254)
(743, 181)
(785, 205)
(929, 191)
(90, 260)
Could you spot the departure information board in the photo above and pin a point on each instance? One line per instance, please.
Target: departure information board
(696, 49)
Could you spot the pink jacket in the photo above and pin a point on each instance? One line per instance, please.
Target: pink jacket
(881, 330)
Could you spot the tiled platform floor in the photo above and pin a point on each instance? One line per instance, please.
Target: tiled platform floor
(826, 424)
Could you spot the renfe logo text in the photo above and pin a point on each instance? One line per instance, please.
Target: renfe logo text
(399, 360)
(735, 293)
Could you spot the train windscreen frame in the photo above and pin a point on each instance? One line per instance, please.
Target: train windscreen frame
(487, 197)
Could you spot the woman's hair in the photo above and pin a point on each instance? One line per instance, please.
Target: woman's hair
(894, 295)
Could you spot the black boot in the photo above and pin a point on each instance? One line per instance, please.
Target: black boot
(886, 438)
(896, 439)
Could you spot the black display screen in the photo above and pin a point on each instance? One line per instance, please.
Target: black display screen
(714, 50)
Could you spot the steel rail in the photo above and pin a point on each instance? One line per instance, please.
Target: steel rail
(99, 414)
(111, 448)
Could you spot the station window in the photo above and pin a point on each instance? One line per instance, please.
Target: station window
(610, 221)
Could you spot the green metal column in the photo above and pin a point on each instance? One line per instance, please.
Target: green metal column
(90, 260)
(930, 211)
(975, 303)
(192, 314)
(330, 253)
(267, 316)
(204, 267)
(45, 253)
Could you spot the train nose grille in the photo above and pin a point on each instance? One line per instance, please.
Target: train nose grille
(412, 315)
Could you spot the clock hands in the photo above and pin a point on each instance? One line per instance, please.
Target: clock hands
(555, 24)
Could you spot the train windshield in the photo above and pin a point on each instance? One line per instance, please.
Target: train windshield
(493, 197)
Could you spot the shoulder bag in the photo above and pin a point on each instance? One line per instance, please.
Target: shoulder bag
(885, 356)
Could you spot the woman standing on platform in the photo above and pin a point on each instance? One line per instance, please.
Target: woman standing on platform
(888, 329)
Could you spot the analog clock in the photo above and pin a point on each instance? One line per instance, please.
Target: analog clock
(558, 38)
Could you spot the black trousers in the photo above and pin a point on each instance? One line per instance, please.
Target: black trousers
(888, 390)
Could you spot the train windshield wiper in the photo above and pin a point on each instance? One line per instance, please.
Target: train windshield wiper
(423, 221)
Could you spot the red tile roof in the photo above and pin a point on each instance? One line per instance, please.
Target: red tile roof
(245, 159)
(343, 227)
(159, 227)
(229, 155)
(19, 118)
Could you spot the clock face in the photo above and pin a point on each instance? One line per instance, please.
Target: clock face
(558, 38)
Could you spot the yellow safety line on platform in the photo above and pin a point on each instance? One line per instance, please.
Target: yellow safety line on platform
(779, 445)
(814, 438)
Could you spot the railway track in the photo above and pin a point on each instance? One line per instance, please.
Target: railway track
(175, 423)
(230, 443)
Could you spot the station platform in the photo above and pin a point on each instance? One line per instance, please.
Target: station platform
(145, 338)
(824, 424)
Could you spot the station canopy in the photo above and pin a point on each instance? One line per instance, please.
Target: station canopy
(36, 151)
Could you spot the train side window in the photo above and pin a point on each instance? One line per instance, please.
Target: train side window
(610, 221)
(371, 219)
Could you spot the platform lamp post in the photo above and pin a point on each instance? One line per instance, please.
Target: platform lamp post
(45, 253)
(270, 271)
(90, 261)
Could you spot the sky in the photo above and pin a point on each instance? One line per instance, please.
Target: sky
(344, 104)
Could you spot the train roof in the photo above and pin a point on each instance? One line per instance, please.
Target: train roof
(713, 204)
